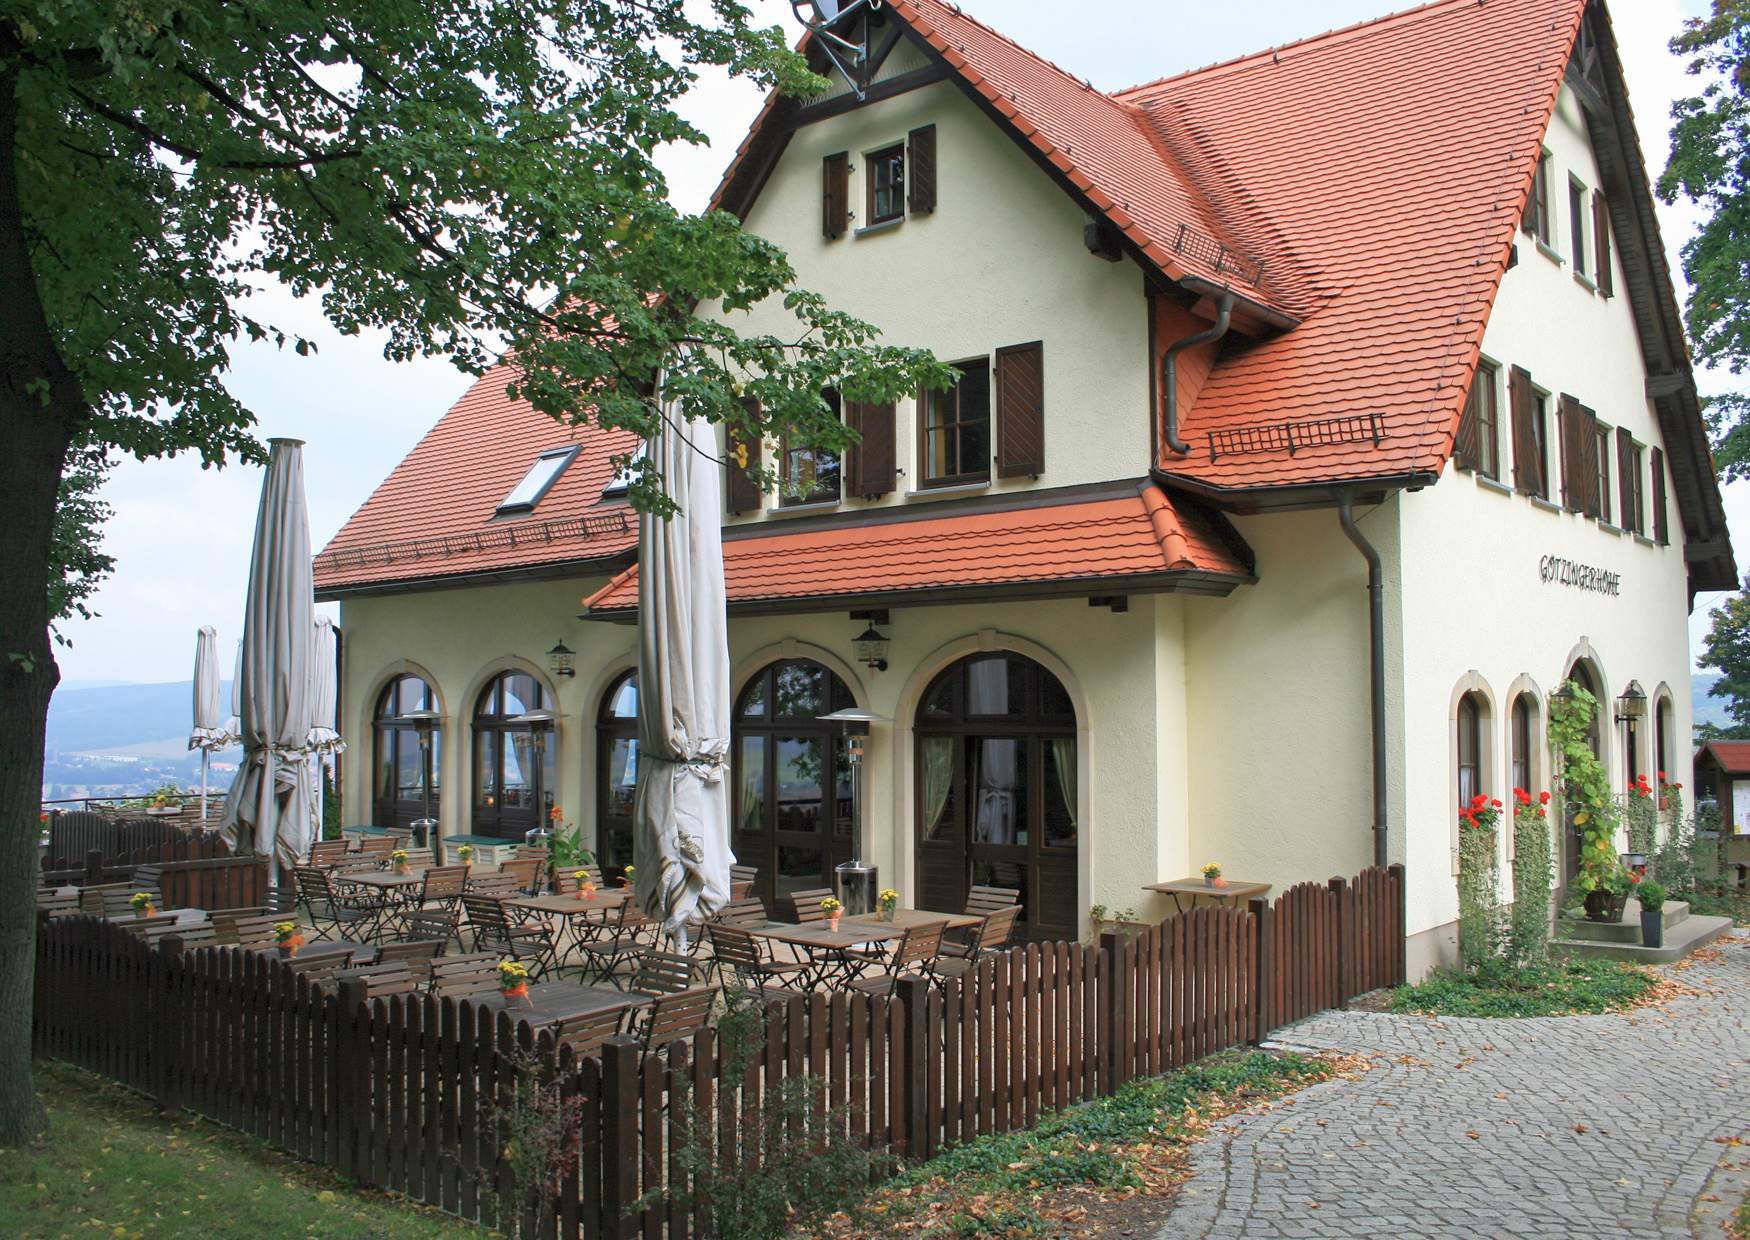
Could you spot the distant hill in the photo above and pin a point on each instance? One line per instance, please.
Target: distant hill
(1708, 709)
(113, 717)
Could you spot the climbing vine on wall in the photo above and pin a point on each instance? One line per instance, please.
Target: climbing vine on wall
(1584, 786)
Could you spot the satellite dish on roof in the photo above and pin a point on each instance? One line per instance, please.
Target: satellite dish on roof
(841, 30)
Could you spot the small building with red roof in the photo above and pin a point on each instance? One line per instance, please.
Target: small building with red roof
(1319, 413)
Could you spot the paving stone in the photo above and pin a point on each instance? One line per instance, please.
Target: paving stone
(1653, 1090)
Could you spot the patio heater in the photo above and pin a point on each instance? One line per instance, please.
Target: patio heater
(425, 828)
(539, 722)
(856, 880)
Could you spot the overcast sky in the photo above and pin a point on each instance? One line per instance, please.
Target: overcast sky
(181, 537)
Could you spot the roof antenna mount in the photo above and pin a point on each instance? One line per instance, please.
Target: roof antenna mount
(841, 28)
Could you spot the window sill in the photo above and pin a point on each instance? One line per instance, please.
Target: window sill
(1585, 282)
(883, 226)
(1608, 528)
(1544, 249)
(817, 505)
(1493, 484)
(1645, 541)
(1538, 501)
(957, 488)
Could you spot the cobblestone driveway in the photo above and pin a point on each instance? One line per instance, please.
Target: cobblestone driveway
(1574, 1126)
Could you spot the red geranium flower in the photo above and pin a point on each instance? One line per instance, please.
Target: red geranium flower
(1543, 798)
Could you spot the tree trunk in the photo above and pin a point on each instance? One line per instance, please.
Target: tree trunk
(40, 406)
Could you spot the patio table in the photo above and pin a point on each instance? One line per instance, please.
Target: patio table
(574, 910)
(387, 888)
(905, 918)
(362, 953)
(828, 950)
(182, 915)
(1191, 888)
(554, 1001)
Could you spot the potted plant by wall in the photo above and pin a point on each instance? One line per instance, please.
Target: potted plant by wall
(833, 910)
(1651, 894)
(1212, 875)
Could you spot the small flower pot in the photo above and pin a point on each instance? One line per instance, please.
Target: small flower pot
(887, 914)
(832, 921)
(1652, 927)
(1601, 905)
(1212, 880)
(518, 998)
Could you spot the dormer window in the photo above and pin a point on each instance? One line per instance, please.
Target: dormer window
(886, 175)
(537, 482)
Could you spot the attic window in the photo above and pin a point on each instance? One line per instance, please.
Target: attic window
(623, 480)
(538, 481)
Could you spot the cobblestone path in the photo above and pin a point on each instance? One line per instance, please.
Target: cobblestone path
(1568, 1126)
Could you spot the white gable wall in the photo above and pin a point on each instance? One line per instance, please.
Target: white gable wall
(999, 262)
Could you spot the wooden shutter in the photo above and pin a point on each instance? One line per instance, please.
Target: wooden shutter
(1661, 532)
(872, 466)
(1527, 464)
(920, 170)
(1021, 410)
(1573, 455)
(1593, 494)
(741, 492)
(1625, 479)
(1601, 243)
(835, 195)
(1464, 448)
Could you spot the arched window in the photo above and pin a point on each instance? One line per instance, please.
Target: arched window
(1470, 748)
(791, 800)
(405, 782)
(997, 790)
(1662, 723)
(1524, 773)
(616, 773)
(514, 756)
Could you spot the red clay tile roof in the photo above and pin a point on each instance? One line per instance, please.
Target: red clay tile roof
(1393, 159)
(1143, 535)
(433, 517)
(1733, 756)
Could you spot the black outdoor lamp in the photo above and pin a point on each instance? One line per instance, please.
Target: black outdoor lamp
(856, 878)
(871, 647)
(424, 723)
(1562, 697)
(562, 660)
(539, 723)
(1632, 705)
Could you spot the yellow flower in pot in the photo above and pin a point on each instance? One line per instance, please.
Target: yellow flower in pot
(142, 903)
(887, 901)
(585, 884)
(1212, 875)
(398, 859)
(833, 910)
(289, 937)
(465, 854)
(513, 980)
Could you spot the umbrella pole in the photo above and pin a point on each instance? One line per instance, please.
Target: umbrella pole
(206, 756)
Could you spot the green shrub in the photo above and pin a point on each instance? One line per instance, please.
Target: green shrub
(1533, 879)
(1651, 893)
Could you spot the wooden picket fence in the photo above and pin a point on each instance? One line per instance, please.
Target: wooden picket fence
(120, 841)
(408, 1094)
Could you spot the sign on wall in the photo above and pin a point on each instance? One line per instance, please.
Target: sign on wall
(1741, 806)
(1554, 570)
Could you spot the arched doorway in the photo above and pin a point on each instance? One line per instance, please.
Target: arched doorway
(791, 805)
(997, 790)
(511, 790)
(399, 787)
(616, 773)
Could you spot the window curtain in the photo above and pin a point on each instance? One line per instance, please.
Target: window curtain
(987, 684)
(1063, 758)
(520, 783)
(936, 778)
(995, 820)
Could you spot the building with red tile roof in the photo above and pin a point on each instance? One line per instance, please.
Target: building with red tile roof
(1320, 412)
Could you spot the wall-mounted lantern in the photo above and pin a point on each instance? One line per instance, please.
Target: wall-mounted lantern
(871, 647)
(562, 660)
(1632, 705)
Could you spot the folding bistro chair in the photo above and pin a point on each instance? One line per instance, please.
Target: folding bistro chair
(620, 941)
(585, 1034)
(980, 902)
(747, 912)
(566, 882)
(741, 880)
(437, 911)
(990, 935)
(416, 954)
(676, 1016)
(738, 953)
(526, 871)
(324, 854)
(381, 980)
(498, 928)
(806, 905)
(662, 973)
(330, 911)
(916, 952)
(460, 977)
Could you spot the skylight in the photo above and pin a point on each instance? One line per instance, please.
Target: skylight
(538, 481)
(623, 480)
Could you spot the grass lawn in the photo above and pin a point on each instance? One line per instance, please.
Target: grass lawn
(1093, 1169)
(1574, 987)
(113, 1165)
(1733, 904)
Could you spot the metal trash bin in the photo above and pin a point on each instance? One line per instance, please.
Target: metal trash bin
(424, 832)
(856, 884)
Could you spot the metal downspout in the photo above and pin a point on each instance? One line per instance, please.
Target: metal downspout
(1376, 665)
(1170, 374)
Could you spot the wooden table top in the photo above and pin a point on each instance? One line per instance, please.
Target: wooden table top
(1197, 887)
(572, 905)
(816, 937)
(551, 1001)
(182, 915)
(362, 953)
(382, 878)
(906, 917)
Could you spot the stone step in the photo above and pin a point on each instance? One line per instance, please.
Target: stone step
(1626, 930)
(1680, 940)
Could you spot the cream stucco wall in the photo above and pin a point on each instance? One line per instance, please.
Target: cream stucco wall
(999, 262)
(1132, 770)
(1474, 606)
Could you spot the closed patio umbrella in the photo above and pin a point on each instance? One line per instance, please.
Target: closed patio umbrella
(325, 739)
(208, 732)
(680, 812)
(269, 810)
